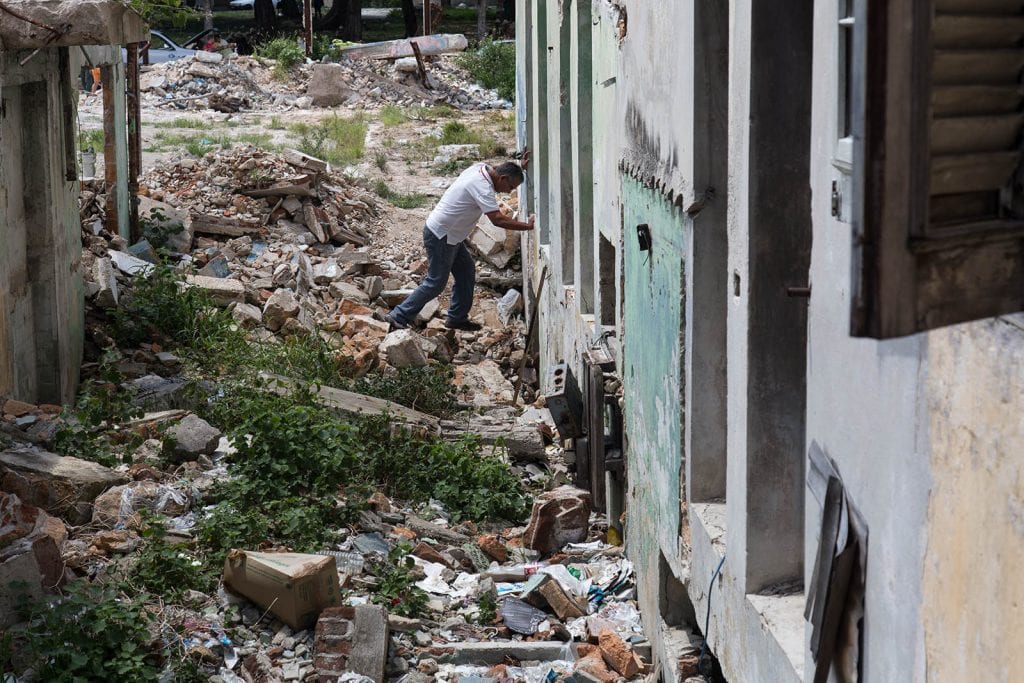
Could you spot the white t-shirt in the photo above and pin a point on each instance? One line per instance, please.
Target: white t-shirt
(468, 198)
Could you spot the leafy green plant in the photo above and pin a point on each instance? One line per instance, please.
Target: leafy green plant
(167, 569)
(397, 587)
(102, 402)
(492, 65)
(90, 139)
(90, 633)
(428, 389)
(284, 50)
(488, 607)
(380, 160)
(402, 201)
(156, 228)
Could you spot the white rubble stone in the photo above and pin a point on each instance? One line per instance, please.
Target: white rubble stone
(346, 290)
(103, 274)
(428, 311)
(281, 306)
(223, 290)
(402, 349)
(247, 315)
(209, 57)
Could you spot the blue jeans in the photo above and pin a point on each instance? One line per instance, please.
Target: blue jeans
(444, 259)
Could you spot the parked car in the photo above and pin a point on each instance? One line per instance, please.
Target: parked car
(163, 49)
(247, 4)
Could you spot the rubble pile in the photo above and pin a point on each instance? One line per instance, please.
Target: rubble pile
(209, 80)
(229, 84)
(292, 248)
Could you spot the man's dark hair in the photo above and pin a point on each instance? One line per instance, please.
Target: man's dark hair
(510, 170)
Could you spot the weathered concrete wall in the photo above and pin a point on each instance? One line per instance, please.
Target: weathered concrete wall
(926, 432)
(972, 593)
(41, 300)
(653, 383)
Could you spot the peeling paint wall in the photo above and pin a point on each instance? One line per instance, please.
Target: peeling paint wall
(972, 588)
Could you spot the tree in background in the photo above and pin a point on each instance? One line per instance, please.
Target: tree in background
(266, 17)
(158, 12)
(346, 17)
(409, 18)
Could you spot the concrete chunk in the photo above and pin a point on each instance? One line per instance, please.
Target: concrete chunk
(222, 290)
(103, 274)
(193, 436)
(61, 485)
(281, 306)
(558, 517)
(403, 349)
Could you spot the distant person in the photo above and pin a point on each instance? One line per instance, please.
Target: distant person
(472, 194)
(318, 8)
(97, 80)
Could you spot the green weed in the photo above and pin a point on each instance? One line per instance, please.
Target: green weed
(91, 139)
(397, 588)
(185, 122)
(380, 160)
(167, 569)
(334, 138)
(402, 201)
(457, 133)
(284, 50)
(90, 633)
(390, 115)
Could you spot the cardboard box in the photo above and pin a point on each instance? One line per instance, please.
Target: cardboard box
(294, 587)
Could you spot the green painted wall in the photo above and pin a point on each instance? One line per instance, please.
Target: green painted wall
(652, 374)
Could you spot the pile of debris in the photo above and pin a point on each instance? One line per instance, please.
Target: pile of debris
(292, 248)
(548, 601)
(209, 80)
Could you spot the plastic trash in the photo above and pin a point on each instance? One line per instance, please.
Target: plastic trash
(372, 542)
(522, 617)
(508, 305)
(348, 563)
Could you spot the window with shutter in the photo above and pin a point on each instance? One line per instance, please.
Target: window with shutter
(939, 184)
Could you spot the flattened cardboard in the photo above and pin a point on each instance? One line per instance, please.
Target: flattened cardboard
(294, 587)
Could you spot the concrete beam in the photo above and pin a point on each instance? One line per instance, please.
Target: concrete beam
(30, 24)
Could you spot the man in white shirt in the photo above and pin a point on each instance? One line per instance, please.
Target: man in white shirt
(448, 226)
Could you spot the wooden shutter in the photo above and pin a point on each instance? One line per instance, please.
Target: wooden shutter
(939, 206)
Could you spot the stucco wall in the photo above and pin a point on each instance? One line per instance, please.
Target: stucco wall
(41, 300)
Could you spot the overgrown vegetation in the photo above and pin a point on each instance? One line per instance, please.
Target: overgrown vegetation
(403, 201)
(458, 133)
(336, 139)
(493, 65)
(167, 569)
(284, 50)
(102, 403)
(391, 115)
(90, 633)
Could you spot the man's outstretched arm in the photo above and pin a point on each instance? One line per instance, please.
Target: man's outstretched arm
(500, 220)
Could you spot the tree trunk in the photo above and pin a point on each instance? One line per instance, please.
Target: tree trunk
(481, 19)
(410, 19)
(207, 15)
(353, 29)
(265, 15)
(334, 18)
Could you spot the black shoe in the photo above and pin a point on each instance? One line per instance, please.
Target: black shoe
(394, 324)
(466, 325)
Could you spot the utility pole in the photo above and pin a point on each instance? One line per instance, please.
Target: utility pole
(207, 15)
(481, 19)
(426, 18)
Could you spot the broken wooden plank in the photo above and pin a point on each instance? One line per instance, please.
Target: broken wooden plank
(302, 160)
(437, 44)
(209, 224)
(351, 403)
